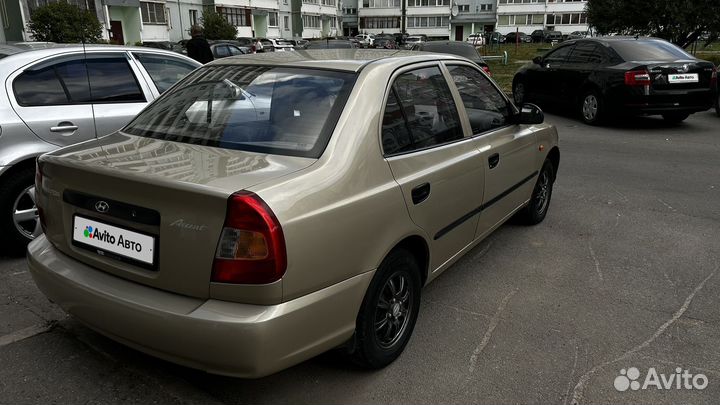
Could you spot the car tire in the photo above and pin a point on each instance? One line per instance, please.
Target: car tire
(537, 208)
(519, 91)
(592, 108)
(388, 312)
(675, 117)
(17, 194)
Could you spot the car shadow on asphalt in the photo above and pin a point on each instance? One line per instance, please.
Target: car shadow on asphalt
(620, 122)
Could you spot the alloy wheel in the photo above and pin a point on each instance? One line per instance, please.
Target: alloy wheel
(25, 214)
(542, 191)
(393, 310)
(590, 107)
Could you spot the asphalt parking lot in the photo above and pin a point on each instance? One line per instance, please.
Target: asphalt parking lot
(623, 273)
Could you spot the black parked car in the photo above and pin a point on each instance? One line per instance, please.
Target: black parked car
(459, 48)
(512, 37)
(602, 77)
(546, 36)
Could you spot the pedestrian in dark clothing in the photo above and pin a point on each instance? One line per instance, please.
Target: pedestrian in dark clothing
(198, 47)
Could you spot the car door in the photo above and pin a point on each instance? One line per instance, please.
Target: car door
(52, 97)
(118, 92)
(582, 61)
(547, 77)
(437, 167)
(507, 151)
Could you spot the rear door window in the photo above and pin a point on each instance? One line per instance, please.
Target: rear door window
(486, 108)
(586, 53)
(263, 109)
(428, 109)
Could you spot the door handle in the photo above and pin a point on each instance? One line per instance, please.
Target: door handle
(64, 127)
(420, 193)
(493, 160)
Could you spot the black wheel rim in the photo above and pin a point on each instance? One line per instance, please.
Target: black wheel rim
(542, 192)
(393, 310)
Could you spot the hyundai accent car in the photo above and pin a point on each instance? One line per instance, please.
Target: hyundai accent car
(61, 95)
(247, 220)
(610, 76)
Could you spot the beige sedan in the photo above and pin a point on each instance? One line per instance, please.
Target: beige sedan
(274, 206)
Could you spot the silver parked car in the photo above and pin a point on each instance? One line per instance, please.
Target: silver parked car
(62, 95)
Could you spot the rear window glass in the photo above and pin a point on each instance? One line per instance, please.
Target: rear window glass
(649, 50)
(254, 108)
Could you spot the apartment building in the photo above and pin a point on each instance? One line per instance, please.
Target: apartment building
(428, 17)
(529, 15)
(472, 16)
(349, 21)
(133, 21)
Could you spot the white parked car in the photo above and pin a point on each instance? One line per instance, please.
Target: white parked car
(477, 38)
(367, 40)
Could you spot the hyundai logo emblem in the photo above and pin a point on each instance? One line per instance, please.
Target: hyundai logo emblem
(102, 206)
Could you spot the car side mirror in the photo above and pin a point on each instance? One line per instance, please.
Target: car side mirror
(531, 114)
(537, 60)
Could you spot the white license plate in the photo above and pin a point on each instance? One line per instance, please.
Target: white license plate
(683, 78)
(109, 238)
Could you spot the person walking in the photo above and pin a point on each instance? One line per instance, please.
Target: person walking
(198, 47)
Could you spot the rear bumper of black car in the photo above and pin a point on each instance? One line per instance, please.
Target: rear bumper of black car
(690, 101)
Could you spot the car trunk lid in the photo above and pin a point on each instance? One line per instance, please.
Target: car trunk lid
(101, 198)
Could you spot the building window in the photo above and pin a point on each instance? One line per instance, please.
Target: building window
(286, 22)
(520, 19)
(567, 19)
(486, 7)
(152, 13)
(272, 19)
(310, 1)
(328, 2)
(88, 5)
(523, 1)
(350, 11)
(379, 22)
(239, 17)
(426, 3)
(432, 22)
(311, 21)
(193, 17)
(464, 8)
(384, 3)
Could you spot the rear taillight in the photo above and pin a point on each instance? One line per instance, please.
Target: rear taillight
(637, 78)
(252, 245)
(252, 49)
(713, 78)
(486, 70)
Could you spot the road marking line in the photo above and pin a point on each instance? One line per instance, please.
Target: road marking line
(25, 333)
(597, 263)
(577, 394)
(488, 334)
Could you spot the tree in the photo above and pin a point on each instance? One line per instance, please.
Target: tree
(64, 23)
(680, 22)
(216, 26)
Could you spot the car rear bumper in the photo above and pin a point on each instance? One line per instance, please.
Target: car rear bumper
(688, 102)
(219, 337)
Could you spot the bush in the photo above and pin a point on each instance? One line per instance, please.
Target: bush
(216, 26)
(64, 23)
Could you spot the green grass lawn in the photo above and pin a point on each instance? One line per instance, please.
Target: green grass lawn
(524, 53)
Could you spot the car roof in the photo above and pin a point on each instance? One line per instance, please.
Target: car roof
(352, 60)
(28, 55)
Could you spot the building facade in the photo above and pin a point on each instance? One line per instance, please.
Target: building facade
(472, 16)
(530, 15)
(349, 21)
